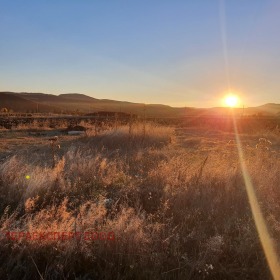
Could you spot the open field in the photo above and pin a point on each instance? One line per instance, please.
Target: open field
(139, 140)
(173, 197)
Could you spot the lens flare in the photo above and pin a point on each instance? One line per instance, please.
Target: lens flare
(262, 229)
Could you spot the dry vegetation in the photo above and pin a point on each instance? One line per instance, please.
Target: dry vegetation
(175, 201)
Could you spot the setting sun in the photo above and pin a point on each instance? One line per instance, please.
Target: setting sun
(231, 100)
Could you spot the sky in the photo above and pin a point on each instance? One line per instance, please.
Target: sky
(174, 52)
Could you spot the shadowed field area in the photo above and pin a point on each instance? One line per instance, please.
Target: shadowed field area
(174, 198)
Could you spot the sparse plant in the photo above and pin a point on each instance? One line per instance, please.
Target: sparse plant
(54, 148)
(231, 142)
(116, 121)
(130, 125)
(144, 123)
(263, 144)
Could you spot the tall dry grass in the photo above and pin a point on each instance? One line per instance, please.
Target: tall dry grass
(176, 213)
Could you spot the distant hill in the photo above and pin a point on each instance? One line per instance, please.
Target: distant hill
(18, 103)
(270, 108)
(77, 97)
(75, 102)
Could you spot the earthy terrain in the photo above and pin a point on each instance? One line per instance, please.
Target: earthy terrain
(174, 198)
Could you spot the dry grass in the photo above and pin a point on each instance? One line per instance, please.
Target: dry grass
(177, 211)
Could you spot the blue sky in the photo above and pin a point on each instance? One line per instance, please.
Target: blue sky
(158, 51)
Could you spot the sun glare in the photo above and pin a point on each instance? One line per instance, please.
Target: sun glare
(231, 100)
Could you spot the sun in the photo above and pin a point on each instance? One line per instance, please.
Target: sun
(231, 100)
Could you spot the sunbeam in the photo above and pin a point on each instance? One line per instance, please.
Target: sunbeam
(266, 241)
(224, 40)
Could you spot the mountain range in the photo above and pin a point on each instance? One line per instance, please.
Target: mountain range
(80, 103)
